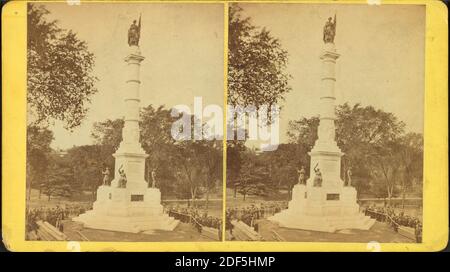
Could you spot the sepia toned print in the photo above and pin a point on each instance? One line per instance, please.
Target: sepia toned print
(349, 163)
(260, 72)
(107, 86)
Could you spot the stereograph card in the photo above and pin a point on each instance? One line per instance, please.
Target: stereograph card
(225, 126)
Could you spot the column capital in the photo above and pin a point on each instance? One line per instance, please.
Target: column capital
(134, 58)
(329, 52)
(134, 55)
(329, 55)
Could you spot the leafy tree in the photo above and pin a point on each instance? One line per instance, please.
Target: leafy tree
(372, 142)
(366, 134)
(211, 156)
(88, 162)
(189, 168)
(235, 149)
(59, 67)
(155, 137)
(60, 181)
(282, 165)
(157, 141)
(108, 133)
(303, 132)
(386, 167)
(411, 156)
(38, 155)
(256, 63)
(256, 77)
(253, 177)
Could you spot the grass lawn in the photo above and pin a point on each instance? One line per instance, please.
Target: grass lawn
(238, 201)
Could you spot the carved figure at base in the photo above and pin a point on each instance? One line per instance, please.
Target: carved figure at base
(122, 178)
(349, 176)
(154, 178)
(301, 176)
(106, 174)
(317, 177)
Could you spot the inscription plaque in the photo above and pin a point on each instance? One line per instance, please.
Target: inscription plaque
(137, 197)
(332, 196)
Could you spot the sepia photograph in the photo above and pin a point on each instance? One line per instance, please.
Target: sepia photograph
(119, 146)
(224, 126)
(340, 156)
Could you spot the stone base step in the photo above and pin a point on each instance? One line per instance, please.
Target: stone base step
(127, 224)
(322, 223)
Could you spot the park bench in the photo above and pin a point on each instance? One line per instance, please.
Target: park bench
(277, 236)
(48, 232)
(244, 232)
(211, 233)
(402, 230)
(32, 236)
(407, 232)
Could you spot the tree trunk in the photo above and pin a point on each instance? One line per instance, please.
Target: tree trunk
(29, 190)
(390, 191)
(403, 195)
(193, 194)
(235, 191)
(244, 195)
(207, 198)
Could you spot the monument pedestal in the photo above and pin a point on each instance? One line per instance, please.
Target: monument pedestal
(127, 210)
(322, 209)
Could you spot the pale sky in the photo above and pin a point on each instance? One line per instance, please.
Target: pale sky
(381, 63)
(183, 49)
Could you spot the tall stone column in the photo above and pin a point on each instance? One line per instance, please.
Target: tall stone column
(130, 155)
(326, 130)
(326, 153)
(130, 133)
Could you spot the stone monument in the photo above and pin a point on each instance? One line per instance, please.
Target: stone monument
(127, 204)
(324, 203)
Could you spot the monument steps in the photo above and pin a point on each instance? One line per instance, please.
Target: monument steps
(132, 224)
(288, 219)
